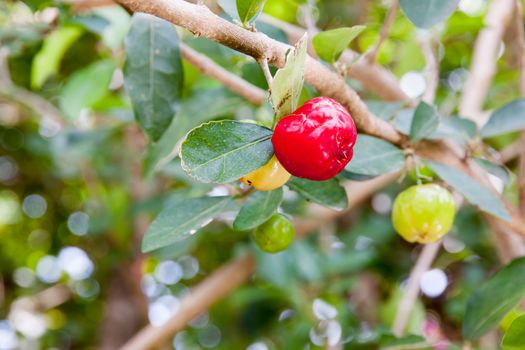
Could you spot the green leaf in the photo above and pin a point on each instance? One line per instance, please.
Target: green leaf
(514, 338)
(181, 220)
(330, 44)
(473, 191)
(47, 60)
(494, 299)
(508, 118)
(224, 151)
(374, 156)
(204, 105)
(424, 122)
(258, 209)
(427, 13)
(328, 193)
(494, 169)
(248, 10)
(153, 72)
(86, 87)
(288, 81)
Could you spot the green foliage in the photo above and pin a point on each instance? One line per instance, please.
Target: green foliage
(494, 299)
(428, 13)
(374, 157)
(248, 10)
(514, 337)
(327, 193)
(181, 220)
(259, 207)
(330, 44)
(424, 122)
(224, 151)
(153, 72)
(494, 169)
(86, 87)
(508, 118)
(288, 81)
(473, 191)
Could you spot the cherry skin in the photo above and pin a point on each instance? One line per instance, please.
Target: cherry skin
(423, 213)
(316, 141)
(270, 176)
(274, 235)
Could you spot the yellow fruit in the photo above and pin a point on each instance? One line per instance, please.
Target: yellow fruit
(270, 176)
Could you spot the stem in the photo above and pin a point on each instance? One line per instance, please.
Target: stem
(423, 263)
(385, 31)
(520, 41)
(263, 62)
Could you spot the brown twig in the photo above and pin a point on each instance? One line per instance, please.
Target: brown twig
(404, 309)
(432, 67)
(263, 63)
(231, 81)
(484, 59)
(520, 41)
(385, 31)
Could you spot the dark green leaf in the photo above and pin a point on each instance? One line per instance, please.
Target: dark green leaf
(288, 81)
(230, 7)
(384, 110)
(508, 118)
(258, 209)
(330, 44)
(224, 151)
(374, 156)
(86, 87)
(473, 191)
(514, 338)
(153, 72)
(494, 169)
(426, 13)
(328, 193)
(248, 10)
(204, 105)
(181, 220)
(494, 299)
(424, 122)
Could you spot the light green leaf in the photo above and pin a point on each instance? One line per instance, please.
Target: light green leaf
(424, 122)
(508, 118)
(86, 87)
(373, 157)
(514, 338)
(328, 193)
(494, 169)
(259, 207)
(153, 72)
(330, 44)
(181, 220)
(248, 10)
(224, 151)
(473, 191)
(494, 299)
(204, 105)
(288, 81)
(47, 60)
(427, 13)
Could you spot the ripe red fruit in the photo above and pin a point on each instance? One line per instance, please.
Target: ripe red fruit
(316, 141)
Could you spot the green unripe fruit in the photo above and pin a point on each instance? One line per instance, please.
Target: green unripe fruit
(423, 213)
(274, 235)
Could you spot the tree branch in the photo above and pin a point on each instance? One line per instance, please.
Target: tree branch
(423, 263)
(520, 41)
(432, 67)
(484, 59)
(231, 81)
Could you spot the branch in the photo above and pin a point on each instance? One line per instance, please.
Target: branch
(484, 59)
(231, 81)
(427, 45)
(227, 278)
(42, 301)
(372, 76)
(423, 263)
(520, 40)
(385, 30)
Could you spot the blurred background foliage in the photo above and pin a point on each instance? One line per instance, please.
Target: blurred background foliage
(78, 186)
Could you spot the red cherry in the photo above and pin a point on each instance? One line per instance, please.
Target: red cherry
(316, 141)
